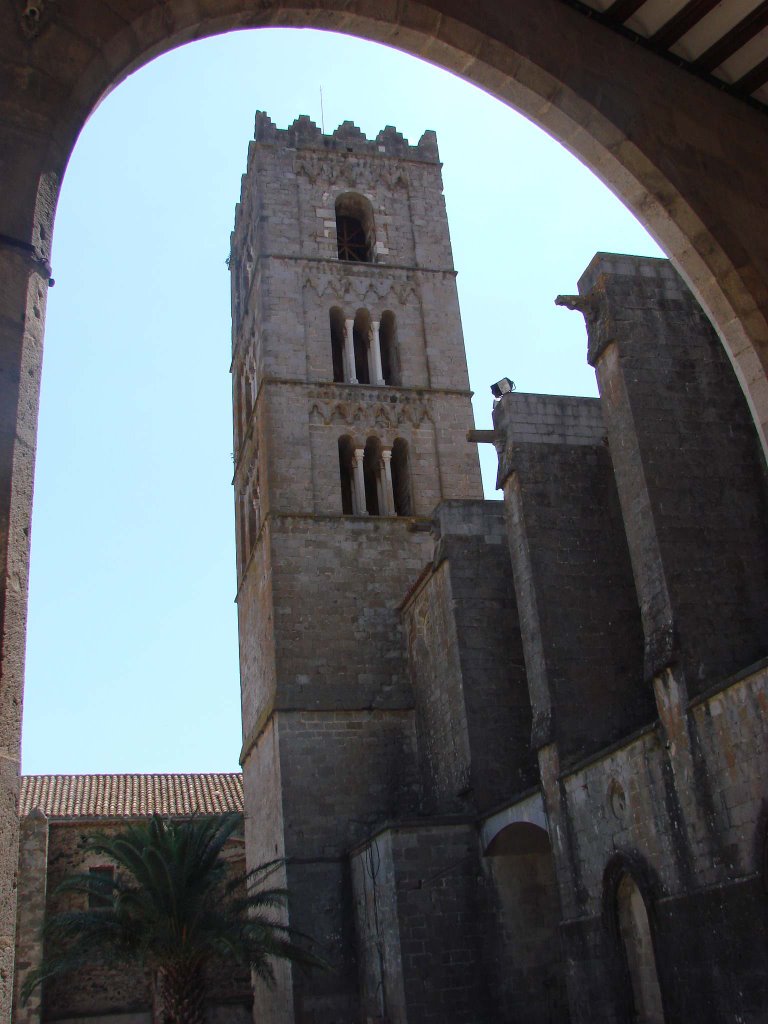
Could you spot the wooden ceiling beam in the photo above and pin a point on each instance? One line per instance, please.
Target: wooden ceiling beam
(753, 79)
(682, 22)
(615, 16)
(733, 40)
(621, 10)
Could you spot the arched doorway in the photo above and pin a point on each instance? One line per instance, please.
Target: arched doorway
(637, 947)
(531, 972)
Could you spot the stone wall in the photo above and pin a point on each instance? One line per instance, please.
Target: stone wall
(694, 501)
(704, 887)
(466, 664)
(578, 608)
(33, 888)
(104, 991)
(327, 703)
(420, 917)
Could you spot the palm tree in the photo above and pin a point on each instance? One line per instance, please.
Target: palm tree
(171, 908)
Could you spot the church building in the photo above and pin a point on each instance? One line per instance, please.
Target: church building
(512, 753)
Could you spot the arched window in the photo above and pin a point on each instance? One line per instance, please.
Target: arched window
(337, 344)
(354, 228)
(635, 932)
(390, 364)
(401, 479)
(374, 497)
(362, 338)
(346, 475)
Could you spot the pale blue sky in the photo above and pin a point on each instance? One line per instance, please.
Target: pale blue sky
(132, 646)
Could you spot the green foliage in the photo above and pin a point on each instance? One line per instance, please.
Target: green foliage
(172, 907)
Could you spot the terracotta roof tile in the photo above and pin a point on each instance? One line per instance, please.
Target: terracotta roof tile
(131, 796)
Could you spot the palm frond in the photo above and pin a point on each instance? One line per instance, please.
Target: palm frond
(172, 903)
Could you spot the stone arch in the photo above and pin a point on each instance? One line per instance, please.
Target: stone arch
(337, 328)
(346, 474)
(637, 942)
(667, 164)
(361, 342)
(355, 230)
(628, 909)
(402, 491)
(531, 971)
(533, 76)
(375, 504)
(390, 355)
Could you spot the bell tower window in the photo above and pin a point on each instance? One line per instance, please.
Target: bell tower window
(354, 228)
(346, 474)
(361, 338)
(338, 328)
(390, 366)
(374, 499)
(401, 479)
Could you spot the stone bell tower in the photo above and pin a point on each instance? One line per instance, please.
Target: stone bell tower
(351, 406)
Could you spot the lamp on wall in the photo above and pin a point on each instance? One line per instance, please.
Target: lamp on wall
(505, 386)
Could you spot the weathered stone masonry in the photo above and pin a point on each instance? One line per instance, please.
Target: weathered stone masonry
(329, 456)
(514, 753)
(499, 744)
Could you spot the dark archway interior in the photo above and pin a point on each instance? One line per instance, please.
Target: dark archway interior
(528, 911)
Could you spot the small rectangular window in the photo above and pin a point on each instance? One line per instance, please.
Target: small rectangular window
(97, 900)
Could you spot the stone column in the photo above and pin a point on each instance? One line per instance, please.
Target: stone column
(358, 481)
(388, 508)
(24, 276)
(374, 345)
(33, 876)
(349, 352)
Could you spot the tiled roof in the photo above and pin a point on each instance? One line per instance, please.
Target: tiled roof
(131, 796)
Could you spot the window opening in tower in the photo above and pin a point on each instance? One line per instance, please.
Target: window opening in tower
(352, 240)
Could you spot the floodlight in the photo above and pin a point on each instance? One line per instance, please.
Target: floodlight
(505, 386)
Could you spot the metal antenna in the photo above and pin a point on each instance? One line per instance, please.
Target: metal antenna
(322, 112)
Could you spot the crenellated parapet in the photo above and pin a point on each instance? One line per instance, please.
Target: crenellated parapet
(303, 133)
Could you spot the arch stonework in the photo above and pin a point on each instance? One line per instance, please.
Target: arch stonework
(686, 159)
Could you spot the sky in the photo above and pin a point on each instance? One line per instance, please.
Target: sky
(132, 638)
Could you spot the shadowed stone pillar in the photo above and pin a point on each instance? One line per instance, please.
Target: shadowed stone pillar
(33, 885)
(386, 486)
(349, 352)
(358, 481)
(24, 279)
(375, 347)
